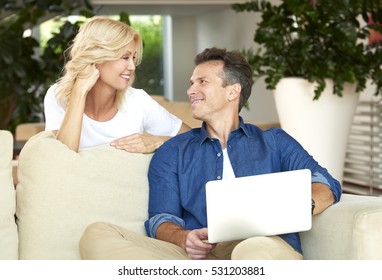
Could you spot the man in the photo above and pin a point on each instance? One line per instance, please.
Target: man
(224, 147)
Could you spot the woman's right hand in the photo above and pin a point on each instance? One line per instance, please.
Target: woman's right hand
(86, 79)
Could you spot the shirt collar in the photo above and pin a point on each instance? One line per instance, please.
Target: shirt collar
(203, 136)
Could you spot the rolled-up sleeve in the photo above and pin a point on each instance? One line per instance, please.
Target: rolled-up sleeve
(154, 222)
(334, 185)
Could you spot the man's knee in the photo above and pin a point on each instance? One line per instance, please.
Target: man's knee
(265, 248)
(94, 230)
(93, 237)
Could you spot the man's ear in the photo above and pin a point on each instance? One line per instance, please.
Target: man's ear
(235, 92)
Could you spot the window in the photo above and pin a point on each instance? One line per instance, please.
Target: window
(363, 162)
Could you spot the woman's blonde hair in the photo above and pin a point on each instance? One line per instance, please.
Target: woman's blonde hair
(99, 40)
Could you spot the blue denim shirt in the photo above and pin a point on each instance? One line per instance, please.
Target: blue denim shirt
(181, 167)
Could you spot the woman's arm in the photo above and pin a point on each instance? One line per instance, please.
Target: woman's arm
(70, 130)
(144, 143)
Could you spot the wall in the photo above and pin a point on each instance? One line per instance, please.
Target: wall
(184, 50)
(226, 29)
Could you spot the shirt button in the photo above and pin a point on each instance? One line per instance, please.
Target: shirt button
(218, 177)
(219, 154)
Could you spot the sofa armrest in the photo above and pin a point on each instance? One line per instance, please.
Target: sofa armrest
(351, 229)
(8, 229)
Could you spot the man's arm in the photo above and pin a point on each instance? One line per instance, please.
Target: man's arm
(172, 233)
(322, 196)
(294, 157)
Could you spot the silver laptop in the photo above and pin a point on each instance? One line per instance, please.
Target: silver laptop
(260, 205)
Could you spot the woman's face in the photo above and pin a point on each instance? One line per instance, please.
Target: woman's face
(116, 74)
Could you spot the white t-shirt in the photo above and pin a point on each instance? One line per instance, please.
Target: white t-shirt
(139, 113)
(227, 167)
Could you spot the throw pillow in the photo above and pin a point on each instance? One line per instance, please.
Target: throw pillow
(60, 192)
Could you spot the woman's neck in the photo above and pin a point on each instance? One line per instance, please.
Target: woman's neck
(101, 106)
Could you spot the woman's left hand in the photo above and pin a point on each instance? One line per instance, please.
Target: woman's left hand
(139, 143)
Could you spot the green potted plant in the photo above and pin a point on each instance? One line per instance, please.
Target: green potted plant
(26, 71)
(308, 48)
(316, 40)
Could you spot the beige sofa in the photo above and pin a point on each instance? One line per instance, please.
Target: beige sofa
(60, 192)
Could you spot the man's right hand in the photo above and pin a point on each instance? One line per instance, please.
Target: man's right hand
(196, 246)
(192, 241)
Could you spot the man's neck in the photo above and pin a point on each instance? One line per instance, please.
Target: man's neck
(221, 128)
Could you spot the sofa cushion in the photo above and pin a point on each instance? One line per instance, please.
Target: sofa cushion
(8, 228)
(60, 192)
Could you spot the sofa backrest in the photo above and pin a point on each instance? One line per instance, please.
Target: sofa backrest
(24, 131)
(180, 109)
(60, 192)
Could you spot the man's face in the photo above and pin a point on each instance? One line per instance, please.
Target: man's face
(208, 98)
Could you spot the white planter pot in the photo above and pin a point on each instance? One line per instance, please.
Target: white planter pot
(321, 126)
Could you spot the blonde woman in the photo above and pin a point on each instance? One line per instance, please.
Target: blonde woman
(94, 102)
